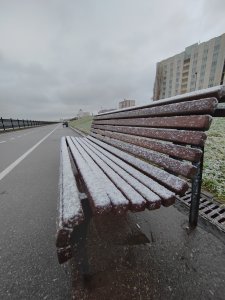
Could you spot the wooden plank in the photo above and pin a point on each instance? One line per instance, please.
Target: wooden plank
(97, 177)
(97, 195)
(167, 197)
(196, 138)
(217, 92)
(173, 150)
(198, 122)
(169, 164)
(70, 209)
(123, 179)
(137, 202)
(64, 254)
(63, 236)
(202, 106)
(170, 181)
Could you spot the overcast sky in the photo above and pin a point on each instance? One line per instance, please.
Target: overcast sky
(57, 56)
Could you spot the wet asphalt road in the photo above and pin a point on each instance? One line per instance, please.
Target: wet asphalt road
(148, 255)
(28, 201)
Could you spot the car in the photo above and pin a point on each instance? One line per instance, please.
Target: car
(65, 123)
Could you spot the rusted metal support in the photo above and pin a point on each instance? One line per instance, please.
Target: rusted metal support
(196, 192)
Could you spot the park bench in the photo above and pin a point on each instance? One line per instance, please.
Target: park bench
(134, 159)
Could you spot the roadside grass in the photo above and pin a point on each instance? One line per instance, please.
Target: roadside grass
(83, 124)
(214, 159)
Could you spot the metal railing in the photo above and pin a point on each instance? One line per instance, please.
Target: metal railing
(7, 124)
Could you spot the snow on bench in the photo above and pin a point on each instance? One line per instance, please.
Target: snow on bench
(134, 159)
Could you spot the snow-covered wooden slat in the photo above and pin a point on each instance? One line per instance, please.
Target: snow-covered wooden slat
(168, 180)
(177, 151)
(201, 106)
(137, 202)
(167, 197)
(128, 184)
(118, 201)
(94, 185)
(196, 138)
(217, 92)
(176, 166)
(70, 209)
(70, 212)
(200, 122)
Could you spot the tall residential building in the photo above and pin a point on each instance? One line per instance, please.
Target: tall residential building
(199, 66)
(126, 103)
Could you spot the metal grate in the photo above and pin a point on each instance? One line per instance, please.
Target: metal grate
(209, 209)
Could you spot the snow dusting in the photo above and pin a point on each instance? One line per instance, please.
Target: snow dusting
(158, 189)
(93, 183)
(70, 207)
(172, 182)
(132, 182)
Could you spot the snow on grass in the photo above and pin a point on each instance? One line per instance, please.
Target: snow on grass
(214, 160)
(83, 124)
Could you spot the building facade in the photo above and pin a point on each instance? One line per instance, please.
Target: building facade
(82, 114)
(126, 103)
(199, 66)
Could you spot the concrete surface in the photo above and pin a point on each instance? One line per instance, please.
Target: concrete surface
(148, 255)
(151, 255)
(28, 201)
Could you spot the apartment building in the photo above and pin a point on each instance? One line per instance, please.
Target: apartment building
(126, 103)
(200, 66)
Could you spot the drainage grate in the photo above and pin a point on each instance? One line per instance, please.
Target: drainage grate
(209, 209)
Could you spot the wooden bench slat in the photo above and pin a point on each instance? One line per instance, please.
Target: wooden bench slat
(115, 197)
(196, 138)
(95, 189)
(137, 202)
(173, 183)
(70, 209)
(177, 151)
(170, 164)
(217, 92)
(153, 200)
(200, 122)
(166, 195)
(202, 106)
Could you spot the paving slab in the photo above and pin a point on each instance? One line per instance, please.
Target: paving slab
(151, 255)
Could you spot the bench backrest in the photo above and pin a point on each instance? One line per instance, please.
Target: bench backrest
(170, 134)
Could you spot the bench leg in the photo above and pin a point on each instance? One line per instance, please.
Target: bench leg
(196, 194)
(79, 237)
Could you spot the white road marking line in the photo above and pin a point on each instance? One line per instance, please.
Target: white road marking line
(2, 142)
(21, 158)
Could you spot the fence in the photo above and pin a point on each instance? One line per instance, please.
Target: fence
(6, 124)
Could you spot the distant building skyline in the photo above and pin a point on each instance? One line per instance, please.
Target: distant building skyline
(199, 66)
(126, 103)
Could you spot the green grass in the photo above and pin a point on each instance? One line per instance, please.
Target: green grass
(214, 160)
(83, 124)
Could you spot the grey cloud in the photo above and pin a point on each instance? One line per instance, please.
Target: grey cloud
(57, 57)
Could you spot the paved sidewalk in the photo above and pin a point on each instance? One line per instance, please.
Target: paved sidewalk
(152, 255)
